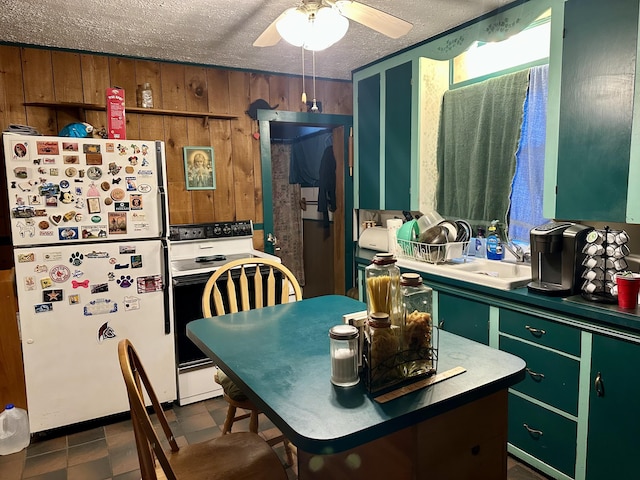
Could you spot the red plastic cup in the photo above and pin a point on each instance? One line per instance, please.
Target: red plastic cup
(628, 288)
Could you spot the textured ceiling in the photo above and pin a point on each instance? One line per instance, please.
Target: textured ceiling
(219, 32)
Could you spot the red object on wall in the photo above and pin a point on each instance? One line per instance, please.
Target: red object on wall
(116, 125)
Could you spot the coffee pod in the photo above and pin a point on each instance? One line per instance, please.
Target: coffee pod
(611, 236)
(622, 238)
(616, 263)
(593, 274)
(592, 262)
(596, 237)
(621, 251)
(593, 249)
(610, 274)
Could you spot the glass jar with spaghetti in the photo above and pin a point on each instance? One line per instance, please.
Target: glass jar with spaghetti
(383, 289)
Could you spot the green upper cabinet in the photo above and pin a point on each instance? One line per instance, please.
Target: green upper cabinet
(383, 139)
(397, 138)
(596, 111)
(368, 142)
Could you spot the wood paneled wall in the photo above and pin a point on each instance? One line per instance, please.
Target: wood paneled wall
(45, 75)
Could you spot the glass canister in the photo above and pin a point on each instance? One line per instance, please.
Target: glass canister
(144, 96)
(383, 288)
(417, 307)
(344, 355)
(383, 346)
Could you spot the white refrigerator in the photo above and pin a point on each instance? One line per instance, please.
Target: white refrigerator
(88, 223)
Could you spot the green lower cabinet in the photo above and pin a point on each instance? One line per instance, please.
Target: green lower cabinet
(464, 317)
(544, 434)
(613, 438)
(551, 378)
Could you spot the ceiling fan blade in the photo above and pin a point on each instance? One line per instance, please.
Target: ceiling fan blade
(270, 36)
(373, 18)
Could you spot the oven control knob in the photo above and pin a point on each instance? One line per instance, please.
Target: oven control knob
(226, 229)
(217, 230)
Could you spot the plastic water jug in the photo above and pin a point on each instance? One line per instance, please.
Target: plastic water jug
(14, 430)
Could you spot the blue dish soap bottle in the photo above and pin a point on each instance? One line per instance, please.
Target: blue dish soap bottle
(494, 244)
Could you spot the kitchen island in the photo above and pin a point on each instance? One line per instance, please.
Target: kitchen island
(279, 356)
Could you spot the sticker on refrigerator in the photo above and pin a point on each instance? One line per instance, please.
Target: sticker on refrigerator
(21, 172)
(27, 228)
(131, 303)
(150, 283)
(69, 146)
(117, 223)
(68, 233)
(105, 332)
(76, 259)
(135, 202)
(60, 273)
(114, 168)
(43, 307)
(30, 283)
(125, 281)
(52, 256)
(48, 147)
(125, 249)
(100, 288)
(74, 299)
(26, 257)
(52, 295)
(121, 206)
(100, 306)
(136, 261)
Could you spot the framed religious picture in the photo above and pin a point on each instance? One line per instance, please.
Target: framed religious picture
(199, 168)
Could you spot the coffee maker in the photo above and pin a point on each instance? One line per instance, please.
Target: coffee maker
(556, 258)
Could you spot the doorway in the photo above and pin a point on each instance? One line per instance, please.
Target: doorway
(334, 257)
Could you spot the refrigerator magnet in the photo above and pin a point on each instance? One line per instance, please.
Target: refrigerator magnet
(93, 205)
(29, 283)
(70, 159)
(131, 303)
(117, 223)
(74, 299)
(114, 168)
(93, 159)
(48, 147)
(20, 150)
(68, 233)
(135, 202)
(91, 148)
(136, 261)
(100, 288)
(149, 283)
(100, 306)
(59, 273)
(43, 307)
(69, 146)
(46, 282)
(125, 281)
(94, 173)
(52, 295)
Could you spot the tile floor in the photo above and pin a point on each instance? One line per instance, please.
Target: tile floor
(108, 452)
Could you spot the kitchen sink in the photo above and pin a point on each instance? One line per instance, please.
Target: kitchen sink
(492, 273)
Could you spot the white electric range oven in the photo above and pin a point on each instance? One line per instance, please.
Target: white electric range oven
(195, 252)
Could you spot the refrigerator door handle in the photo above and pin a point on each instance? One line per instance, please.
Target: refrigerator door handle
(161, 188)
(167, 285)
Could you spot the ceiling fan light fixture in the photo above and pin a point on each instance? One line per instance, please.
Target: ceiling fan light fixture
(313, 31)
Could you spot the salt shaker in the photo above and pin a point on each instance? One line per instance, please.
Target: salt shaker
(344, 355)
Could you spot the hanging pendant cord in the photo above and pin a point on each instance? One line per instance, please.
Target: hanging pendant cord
(314, 108)
(304, 93)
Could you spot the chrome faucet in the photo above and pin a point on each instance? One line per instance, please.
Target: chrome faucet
(518, 252)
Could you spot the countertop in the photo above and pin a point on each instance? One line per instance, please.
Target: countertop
(593, 315)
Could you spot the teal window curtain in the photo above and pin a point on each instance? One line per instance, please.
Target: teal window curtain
(478, 139)
(528, 182)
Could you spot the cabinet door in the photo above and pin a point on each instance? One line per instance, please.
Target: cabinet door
(614, 417)
(464, 317)
(368, 138)
(596, 108)
(397, 134)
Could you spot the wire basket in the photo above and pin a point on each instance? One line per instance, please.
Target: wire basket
(403, 368)
(431, 252)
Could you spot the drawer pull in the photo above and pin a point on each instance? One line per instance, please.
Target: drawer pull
(532, 431)
(536, 332)
(599, 385)
(536, 376)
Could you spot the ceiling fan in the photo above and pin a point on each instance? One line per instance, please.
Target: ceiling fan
(312, 11)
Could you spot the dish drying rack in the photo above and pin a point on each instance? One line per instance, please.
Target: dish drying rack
(431, 252)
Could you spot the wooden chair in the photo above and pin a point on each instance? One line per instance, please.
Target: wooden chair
(237, 456)
(242, 285)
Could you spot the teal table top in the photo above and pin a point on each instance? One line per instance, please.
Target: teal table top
(279, 356)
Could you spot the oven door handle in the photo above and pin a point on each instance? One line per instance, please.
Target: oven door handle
(191, 279)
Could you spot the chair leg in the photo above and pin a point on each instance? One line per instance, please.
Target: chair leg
(228, 422)
(253, 422)
(289, 453)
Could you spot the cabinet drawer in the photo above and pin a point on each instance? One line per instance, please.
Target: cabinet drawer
(547, 436)
(551, 377)
(544, 332)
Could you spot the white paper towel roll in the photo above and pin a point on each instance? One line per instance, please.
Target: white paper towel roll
(393, 225)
